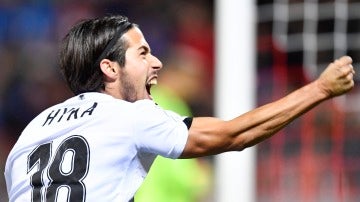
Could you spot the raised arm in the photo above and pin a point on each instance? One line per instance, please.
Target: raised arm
(209, 136)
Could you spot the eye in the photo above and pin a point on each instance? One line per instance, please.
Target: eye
(144, 51)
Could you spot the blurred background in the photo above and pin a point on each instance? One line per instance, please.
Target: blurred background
(316, 158)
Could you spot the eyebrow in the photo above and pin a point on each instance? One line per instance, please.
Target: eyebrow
(147, 49)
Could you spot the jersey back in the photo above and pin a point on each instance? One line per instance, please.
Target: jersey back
(91, 147)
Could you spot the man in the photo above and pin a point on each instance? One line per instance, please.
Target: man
(99, 144)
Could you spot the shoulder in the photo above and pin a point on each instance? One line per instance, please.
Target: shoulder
(148, 109)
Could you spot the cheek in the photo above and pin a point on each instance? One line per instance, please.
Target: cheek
(138, 76)
(137, 69)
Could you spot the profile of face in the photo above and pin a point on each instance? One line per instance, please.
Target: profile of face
(141, 68)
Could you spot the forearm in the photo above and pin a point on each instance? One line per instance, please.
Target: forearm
(209, 136)
(261, 123)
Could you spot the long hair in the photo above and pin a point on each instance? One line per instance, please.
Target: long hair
(86, 44)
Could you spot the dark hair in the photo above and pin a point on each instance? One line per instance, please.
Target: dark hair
(86, 44)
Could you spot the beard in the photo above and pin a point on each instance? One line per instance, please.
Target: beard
(128, 91)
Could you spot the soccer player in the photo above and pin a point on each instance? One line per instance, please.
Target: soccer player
(99, 144)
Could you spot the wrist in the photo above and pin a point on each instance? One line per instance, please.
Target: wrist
(321, 90)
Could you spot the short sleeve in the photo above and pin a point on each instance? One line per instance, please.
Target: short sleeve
(159, 131)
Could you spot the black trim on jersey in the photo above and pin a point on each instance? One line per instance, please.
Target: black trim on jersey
(188, 121)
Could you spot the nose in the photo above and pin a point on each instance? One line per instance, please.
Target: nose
(156, 63)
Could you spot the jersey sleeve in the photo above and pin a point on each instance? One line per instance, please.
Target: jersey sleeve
(159, 131)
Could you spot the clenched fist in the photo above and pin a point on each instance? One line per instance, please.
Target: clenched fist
(337, 78)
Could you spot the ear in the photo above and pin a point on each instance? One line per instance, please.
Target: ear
(109, 69)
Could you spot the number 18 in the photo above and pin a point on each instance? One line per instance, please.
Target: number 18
(66, 170)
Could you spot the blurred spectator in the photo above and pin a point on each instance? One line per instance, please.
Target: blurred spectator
(194, 23)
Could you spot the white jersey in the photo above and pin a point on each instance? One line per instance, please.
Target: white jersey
(91, 147)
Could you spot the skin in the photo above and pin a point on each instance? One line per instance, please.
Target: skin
(141, 67)
(209, 135)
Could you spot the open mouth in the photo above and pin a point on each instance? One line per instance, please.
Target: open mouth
(149, 84)
(148, 87)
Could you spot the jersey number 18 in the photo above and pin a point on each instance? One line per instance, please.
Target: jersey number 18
(66, 170)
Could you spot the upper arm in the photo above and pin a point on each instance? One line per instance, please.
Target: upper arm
(207, 136)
